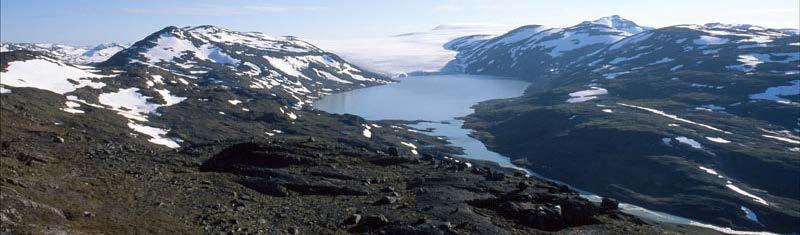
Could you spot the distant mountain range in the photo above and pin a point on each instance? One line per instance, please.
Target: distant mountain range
(697, 120)
(67, 53)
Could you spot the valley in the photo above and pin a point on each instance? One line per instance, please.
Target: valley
(605, 127)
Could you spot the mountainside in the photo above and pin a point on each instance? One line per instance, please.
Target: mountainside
(205, 130)
(714, 107)
(70, 54)
(539, 50)
(252, 60)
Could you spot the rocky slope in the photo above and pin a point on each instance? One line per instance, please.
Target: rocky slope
(70, 54)
(143, 143)
(714, 107)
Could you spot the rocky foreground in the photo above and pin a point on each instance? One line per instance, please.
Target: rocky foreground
(63, 174)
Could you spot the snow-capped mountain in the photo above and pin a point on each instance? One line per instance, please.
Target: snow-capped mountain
(67, 53)
(408, 52)
(536, 49)
(176, 73)
(714, 107)
(248, 59)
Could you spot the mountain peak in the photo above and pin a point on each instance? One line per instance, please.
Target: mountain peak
(618, 23)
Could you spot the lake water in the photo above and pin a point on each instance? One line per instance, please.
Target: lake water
(440, 100)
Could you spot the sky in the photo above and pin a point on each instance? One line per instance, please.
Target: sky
(88, 22)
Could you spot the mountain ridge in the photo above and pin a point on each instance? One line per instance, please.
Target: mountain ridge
(684, 98)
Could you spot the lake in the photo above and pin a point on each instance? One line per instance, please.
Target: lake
(438, 99)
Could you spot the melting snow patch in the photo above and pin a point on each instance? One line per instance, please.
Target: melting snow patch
(71, 105)
(784, 139)
(691, 142)
(709, 170)
(169, 99)
(585, 95)
(129, 103)
(662, 60)
(718, 140)
(234, 102)
(614, 75)
(156, 135)
(709, 40)
(673, 117)
(608, 111)
(676, 67)
(366, 132)
(291, 115)
(710, 108)
(3, 90)
(745, 193)
(410, 145)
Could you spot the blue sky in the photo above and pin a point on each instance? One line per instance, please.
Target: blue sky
(84, 22)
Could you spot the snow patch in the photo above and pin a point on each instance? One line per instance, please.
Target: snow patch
(718, 140)
(745, 193)
(48, 75)
(688, 141)
(156, 135)
(585, 95)
(673, 117)
(710, 40)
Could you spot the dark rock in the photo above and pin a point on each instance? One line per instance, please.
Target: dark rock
(609, 204)
(268, 187)
(353, 219)
(293, 230)
(497, 176)
(376, 220)
(393, 151)
(386, 200)
(328, 187)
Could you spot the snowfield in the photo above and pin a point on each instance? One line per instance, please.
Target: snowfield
(586, 95)
(48, 75)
